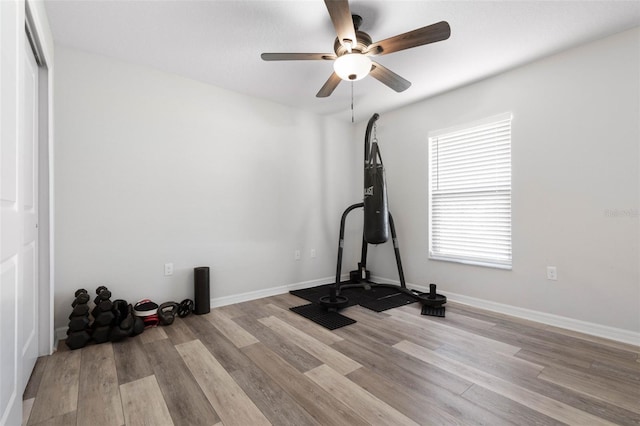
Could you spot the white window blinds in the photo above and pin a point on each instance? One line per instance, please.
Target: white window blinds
(470, 193)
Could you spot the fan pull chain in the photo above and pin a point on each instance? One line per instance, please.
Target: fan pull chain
(352, 118)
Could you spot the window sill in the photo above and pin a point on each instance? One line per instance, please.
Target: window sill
(485, 264)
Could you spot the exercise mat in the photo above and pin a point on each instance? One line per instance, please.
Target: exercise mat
(319, 315)
(375, 298)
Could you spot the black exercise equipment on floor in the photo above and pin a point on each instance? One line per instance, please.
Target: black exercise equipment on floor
(78, 332)
(112, 321)
(432, 302)
(185, 307)
(167, 312)
(327, 318)
(202, 301)
(378, 224)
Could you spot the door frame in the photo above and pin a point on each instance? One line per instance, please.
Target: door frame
(39, 37)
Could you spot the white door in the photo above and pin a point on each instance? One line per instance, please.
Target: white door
(18, 211)
(28, 313)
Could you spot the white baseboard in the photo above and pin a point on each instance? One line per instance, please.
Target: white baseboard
(60, 334)
(273, 291)
(617, 334)
(612, 333)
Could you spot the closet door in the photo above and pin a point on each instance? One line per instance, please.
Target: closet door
(18, 210)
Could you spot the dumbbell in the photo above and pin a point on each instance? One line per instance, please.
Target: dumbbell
(80, 299)
(104, 319)
(102, 294)
(77, 333)
(101, 334)
(78, 324)
(77, 339)
(80, 310)
(103, 306)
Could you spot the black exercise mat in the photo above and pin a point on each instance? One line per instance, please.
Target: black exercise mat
(387, 302)
(328, 319)
(376, 298)
(313, 294)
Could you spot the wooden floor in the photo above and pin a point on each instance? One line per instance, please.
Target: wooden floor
(257, 363)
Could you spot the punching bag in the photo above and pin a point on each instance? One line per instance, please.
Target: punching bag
(376, 211)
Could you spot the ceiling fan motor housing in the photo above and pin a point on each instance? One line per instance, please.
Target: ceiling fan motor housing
(363, 41)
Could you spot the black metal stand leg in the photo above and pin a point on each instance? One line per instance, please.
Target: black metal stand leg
(363, 256)
(341, 243)
(396, 249)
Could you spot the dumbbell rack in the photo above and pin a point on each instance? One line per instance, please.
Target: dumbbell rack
(112, 321)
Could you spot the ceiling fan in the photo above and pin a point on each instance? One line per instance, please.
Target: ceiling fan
(354, 49)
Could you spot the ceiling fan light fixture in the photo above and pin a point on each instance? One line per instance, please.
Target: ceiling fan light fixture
(352, 66)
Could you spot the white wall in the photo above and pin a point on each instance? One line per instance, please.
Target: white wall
(576, 184)
(153, 168)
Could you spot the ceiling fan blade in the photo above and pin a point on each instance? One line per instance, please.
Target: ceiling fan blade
(342, 21)
(425, 35)
(329, 86)
(297, 56)
(388, 77)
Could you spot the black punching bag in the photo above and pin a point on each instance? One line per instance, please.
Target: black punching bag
(201, 290)
(376, 211)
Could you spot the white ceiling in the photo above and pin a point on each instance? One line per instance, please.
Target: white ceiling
(219, 42)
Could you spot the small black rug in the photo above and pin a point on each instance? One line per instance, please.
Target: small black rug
(319, 315)
(375, 298)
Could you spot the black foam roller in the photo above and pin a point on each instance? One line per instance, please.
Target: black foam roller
(201, 290)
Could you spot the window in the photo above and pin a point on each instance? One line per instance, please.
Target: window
(470, 193)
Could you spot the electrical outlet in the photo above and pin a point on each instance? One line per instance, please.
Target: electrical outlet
(552, 273)
(312, 253)
(168, 269)
(297, 255)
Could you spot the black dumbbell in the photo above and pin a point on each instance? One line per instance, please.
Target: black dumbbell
(101, 334)
(80, 299)
(80, 310)
(104, 295)
(104, 306)
(79, 291)
(104, 318)
(78, 324)
(77, 340)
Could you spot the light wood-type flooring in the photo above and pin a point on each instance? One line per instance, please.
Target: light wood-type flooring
(257, 363)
